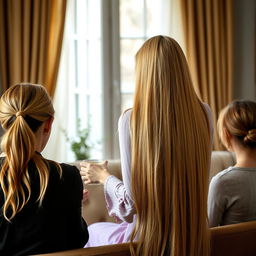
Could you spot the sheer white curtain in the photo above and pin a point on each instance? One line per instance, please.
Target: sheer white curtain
(176, 26)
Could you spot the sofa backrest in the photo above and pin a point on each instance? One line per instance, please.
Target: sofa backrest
(94, 210)
(221, 160)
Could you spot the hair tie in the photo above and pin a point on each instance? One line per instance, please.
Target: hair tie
(19, 113)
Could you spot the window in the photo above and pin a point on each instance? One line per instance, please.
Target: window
(97, 67)
(85, 67)
(139, 20)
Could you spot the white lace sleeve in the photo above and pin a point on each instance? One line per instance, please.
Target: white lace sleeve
(118, 193)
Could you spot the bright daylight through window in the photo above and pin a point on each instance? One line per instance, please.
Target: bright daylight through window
(96, 77)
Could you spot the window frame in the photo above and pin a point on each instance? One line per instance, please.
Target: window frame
(111, 77)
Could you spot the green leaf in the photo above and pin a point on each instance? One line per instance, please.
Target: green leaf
(80, 145)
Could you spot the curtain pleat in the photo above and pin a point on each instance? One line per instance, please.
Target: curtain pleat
(31, 33)
(208, 28)
(3, 44)
(27, 19)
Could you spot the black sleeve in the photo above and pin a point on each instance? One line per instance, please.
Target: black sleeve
(72, 199)
(65, 200)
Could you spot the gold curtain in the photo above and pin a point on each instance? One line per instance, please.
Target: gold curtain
(31, 33)
(208, 28)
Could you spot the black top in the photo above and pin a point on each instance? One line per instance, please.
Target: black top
(57, 225)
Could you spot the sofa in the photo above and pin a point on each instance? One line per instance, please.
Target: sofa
(235, 240)
(94, 209)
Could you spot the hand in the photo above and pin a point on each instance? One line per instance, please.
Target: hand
(85, 195)
(94, 172)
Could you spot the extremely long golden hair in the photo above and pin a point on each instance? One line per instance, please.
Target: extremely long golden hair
(170, 155)
(23, 109)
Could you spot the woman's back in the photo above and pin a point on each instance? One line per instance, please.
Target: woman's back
(232, 196)
(55, 225)
(232, 192)
(171, 146)
(40, 199)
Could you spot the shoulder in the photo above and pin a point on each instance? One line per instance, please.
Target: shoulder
(218, 188)
(65, 189)
(222, 177)
(206, 106)
(69, 170)
(70, 173)
(124, 119)
(209, 115)
(126, 115)
(207, 109)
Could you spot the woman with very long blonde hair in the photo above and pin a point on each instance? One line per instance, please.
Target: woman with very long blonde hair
(165, 146)
(40, 200)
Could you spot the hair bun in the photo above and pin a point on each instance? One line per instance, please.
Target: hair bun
(250, 138)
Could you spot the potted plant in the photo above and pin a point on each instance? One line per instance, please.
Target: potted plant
(80, 145)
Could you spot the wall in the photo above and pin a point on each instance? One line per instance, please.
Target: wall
(245, 49)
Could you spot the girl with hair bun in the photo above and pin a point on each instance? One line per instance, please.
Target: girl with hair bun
(232, 192)
(40, 200)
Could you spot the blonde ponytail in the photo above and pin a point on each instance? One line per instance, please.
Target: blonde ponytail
(23, 109)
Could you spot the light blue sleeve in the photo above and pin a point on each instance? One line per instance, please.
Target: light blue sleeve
(216, 201)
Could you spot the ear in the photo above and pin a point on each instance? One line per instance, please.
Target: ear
(228, 139)
(227, 134)
(48, 125)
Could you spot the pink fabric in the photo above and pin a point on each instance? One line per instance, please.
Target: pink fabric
(118, 197)
(118, 194)
(104, 233)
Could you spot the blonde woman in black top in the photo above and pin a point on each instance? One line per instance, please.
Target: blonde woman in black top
(40, 200)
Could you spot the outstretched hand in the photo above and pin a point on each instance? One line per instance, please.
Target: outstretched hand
(85, 195)
(94, 172)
